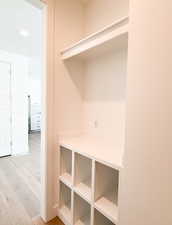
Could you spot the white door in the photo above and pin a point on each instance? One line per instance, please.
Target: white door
(5, 109)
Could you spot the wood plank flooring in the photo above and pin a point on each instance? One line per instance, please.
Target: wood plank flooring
(20, 186)
(39, 221)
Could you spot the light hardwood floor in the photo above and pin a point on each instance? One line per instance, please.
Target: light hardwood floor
(20, 186)
(38, 221)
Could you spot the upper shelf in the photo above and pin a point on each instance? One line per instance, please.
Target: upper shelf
(111, 37)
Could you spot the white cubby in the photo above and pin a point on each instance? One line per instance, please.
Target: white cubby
(65, 210)
(83, 176)
(95, 186)
(66, 166)
(82, 211)
(106, 191)
(100, 219)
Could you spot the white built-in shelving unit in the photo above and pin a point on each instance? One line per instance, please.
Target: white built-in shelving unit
(91, 104)
(95, 188)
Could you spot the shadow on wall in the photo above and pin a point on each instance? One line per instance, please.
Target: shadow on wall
(100, 79)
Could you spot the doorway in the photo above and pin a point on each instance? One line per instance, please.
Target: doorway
(21, 72)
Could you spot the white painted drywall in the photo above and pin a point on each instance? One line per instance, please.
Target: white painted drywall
(35, 79)
(35, 90)
(100, 13)
(19, 66)
(35, 93)
(105, 96)
(146, 196)
(67, 96)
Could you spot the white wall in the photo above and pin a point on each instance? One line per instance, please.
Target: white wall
(19, 66)
(35, 91)
(35, 78)
(100, 13)
(146, 197)
(99, 101)
(67, 96)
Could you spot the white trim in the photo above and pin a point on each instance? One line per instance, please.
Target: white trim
(43, 203)
(48, 210)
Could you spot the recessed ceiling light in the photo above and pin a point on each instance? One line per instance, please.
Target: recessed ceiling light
(24, 33)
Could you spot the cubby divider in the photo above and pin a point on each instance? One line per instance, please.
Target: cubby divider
(83, 176)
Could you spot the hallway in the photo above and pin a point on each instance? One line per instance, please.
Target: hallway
(20, 186)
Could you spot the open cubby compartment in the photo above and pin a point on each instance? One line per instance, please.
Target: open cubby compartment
(100, 219)
(66, 166)
(83, 176)
(65, 210)
(106, 191)
(82, 211)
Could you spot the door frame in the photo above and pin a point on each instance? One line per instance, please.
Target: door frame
(48, 200)
(48, 203)
(10, 88)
